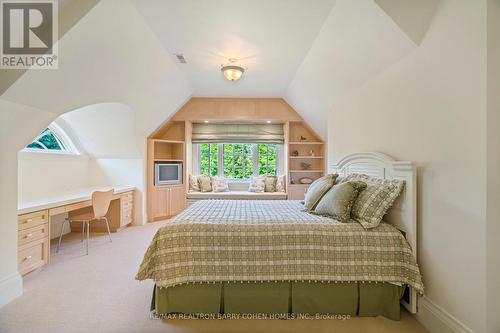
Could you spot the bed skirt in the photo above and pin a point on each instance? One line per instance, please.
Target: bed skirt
(280, 298)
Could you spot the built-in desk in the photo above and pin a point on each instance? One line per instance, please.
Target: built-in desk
(34, 221)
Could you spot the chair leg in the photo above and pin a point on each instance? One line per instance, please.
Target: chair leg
(88, 236)
(60, 235)
(109, 232)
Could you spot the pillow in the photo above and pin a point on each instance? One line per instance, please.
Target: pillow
(270, 184)
(374, 202)
(193, 183)
(316, 191)
(257, 184)
(280, 183)
(219, 184)
(205, 183)
(338, 201)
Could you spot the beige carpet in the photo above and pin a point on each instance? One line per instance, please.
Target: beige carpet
(98, 293)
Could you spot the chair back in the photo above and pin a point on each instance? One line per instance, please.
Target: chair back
(101, 202)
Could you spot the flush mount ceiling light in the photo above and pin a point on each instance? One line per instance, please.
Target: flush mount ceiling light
(231, 71)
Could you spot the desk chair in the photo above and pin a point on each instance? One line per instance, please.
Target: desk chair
(100, 206)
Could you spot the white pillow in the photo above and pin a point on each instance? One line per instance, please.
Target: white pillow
(257, 184)
(193, 183)
(280, 184)
(219, 184)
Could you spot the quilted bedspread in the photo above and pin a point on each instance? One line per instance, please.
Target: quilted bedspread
(273, 240)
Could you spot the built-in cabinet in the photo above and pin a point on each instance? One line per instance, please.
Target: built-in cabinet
(168, 201)
(34, 226)
(304, 150)
(33, 241)
(166, 145)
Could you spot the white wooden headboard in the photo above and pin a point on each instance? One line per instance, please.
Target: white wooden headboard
(403, 214)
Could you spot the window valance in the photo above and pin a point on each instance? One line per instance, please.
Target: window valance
(238, 133)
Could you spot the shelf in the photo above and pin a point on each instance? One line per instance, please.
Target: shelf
(167, 141)
(316, 171)
(305, 143)
(305, 157)
(167, 160)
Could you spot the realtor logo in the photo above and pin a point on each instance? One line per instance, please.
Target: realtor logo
(29, 34)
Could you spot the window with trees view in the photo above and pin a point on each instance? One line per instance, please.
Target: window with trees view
(209, 158)
(238, 160)
(47, 140)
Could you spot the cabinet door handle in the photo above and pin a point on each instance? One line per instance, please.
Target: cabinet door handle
(28, 235)
(27, 258)
(28, 221)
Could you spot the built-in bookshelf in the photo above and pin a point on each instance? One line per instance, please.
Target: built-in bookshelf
(306, 157)
(166, 145)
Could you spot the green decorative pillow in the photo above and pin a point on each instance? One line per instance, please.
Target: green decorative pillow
(205, 183)
(374, 202)
(338, 201)
(270, 184)
(316, 190)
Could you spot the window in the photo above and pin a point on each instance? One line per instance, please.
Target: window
(209, 157)
(52, 139)
(238, 160)
(47, 140)
(267, 160)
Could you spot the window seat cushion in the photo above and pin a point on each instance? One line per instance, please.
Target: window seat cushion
(237, 195)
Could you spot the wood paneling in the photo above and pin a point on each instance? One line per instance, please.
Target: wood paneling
(236, 109)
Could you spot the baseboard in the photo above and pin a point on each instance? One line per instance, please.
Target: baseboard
(438, 320)
(11, 288)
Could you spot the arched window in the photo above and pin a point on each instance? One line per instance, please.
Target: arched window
(52, 139)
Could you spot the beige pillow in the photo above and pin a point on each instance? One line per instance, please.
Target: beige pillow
(193, 183)
(374, 202)
(317, 189)
(270, 184)
(280, 183)
(219, 184)
(257, 184)
(338, 201)
(205, 183)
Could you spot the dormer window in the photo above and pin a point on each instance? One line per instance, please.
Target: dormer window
(52, 139)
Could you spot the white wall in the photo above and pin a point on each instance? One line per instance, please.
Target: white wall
(493, 206)
(430, 107)
(42, 175)
(12, 118)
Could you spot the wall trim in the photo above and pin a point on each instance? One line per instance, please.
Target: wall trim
(438, 320)
(11, 287)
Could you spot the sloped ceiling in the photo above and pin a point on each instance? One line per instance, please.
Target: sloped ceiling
(110, 55)
(71, 11)
(357, 41)
(270, 37)
(413, 17)
(122, 51)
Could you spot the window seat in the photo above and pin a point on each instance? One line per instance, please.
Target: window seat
(236, 195)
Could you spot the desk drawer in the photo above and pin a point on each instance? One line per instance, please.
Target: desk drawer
(32, 255)
(127, 216)
(128, 195)
(29, 235)
(124, 204)
(32, 220)
(78, 205)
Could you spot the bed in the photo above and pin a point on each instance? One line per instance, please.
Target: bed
(270, 257)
